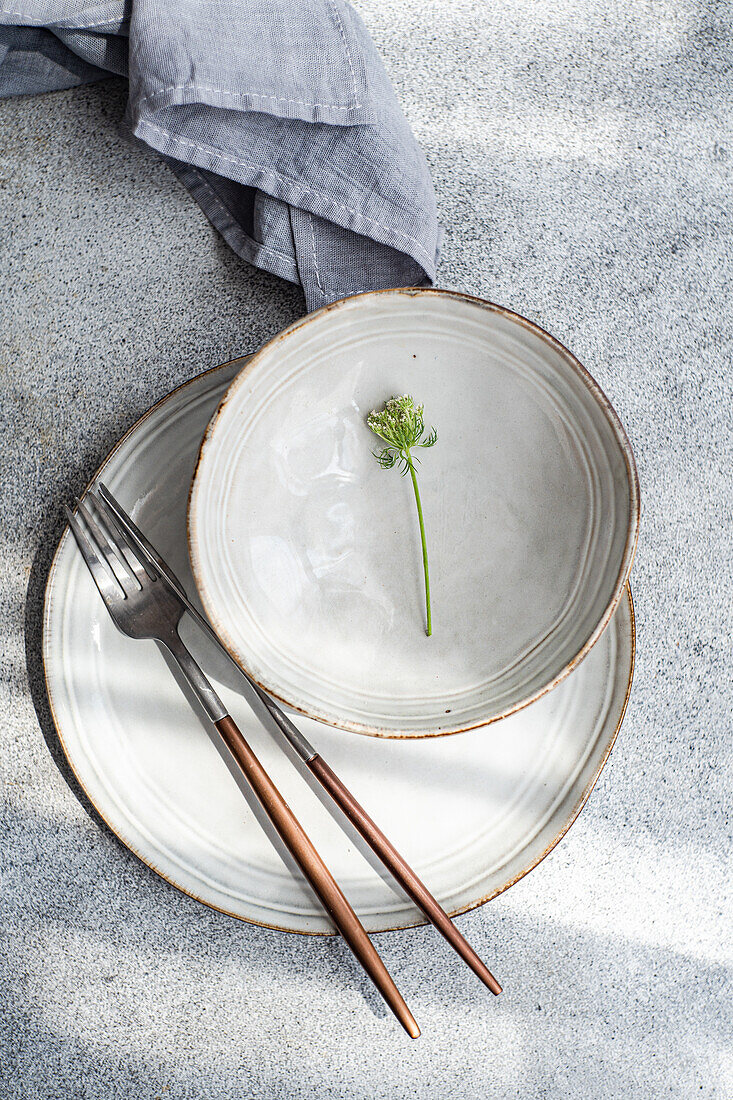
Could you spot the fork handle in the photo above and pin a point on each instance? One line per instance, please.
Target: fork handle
(315, 871)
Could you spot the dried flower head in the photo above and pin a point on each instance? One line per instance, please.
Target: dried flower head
(400, 424)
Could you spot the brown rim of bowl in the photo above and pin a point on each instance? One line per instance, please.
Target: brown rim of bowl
(632, 530)
(580, 802)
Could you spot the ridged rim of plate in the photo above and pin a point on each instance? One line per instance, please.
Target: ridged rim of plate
(572, 816)
(632, 529)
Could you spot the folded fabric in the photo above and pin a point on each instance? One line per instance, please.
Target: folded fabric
(277, 115)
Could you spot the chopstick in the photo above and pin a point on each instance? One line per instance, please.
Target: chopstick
(415, 889)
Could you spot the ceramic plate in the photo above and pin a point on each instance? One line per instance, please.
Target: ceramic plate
(307, 554)
(472, 813)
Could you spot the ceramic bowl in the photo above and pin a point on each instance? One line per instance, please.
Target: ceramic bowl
(306, 553)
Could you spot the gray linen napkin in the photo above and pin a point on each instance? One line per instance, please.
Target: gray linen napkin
(277, 115)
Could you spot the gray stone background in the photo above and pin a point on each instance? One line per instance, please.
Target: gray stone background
(582, 157)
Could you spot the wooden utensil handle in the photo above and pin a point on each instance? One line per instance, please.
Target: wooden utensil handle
(403, 873)
(315, 870)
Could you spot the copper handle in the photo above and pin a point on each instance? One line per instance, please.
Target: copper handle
(403, 873)
(315, 871)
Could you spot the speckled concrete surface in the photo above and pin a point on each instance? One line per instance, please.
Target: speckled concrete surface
(582, 156)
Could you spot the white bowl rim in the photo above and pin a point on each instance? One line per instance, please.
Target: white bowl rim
(632, 527)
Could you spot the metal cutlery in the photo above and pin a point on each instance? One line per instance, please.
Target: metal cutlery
(356, 814)
(144, 604)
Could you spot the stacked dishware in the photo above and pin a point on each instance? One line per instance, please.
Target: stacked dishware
(251, 495)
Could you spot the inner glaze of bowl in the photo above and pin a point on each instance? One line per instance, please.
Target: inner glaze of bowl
(307, 554)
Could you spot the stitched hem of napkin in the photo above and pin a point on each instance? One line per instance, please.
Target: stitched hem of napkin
(356, 107)
(279, 106)
(304, 239)
(225, 222)
(112, 23)
(322, 284)
(280, 187)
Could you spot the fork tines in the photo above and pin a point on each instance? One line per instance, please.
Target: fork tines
(106, 549)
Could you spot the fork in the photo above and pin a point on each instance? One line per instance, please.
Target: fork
(143, 606)
(415, 889)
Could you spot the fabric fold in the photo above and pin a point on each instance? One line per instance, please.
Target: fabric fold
(277, 115)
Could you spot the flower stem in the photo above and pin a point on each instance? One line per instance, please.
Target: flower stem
(413, 475)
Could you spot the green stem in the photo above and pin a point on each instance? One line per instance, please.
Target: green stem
(413, 475)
